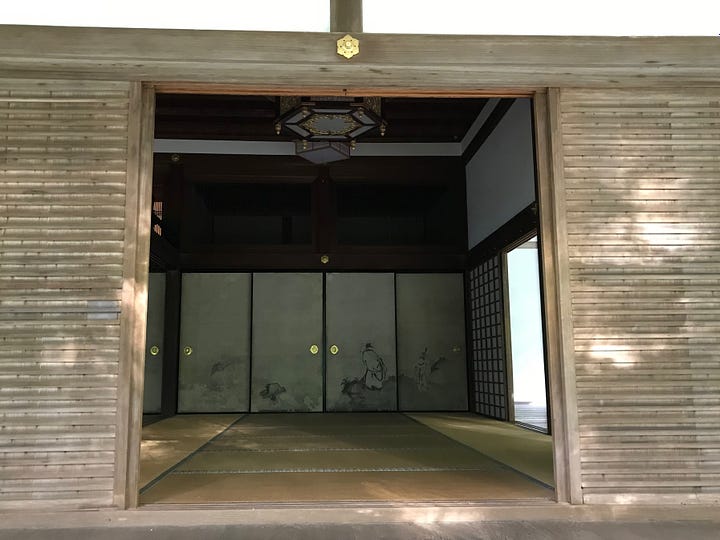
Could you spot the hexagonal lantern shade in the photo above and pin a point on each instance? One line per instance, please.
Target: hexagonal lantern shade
(322, 151)
(331, 119)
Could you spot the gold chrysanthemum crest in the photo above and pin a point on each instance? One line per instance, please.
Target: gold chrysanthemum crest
(348, 46)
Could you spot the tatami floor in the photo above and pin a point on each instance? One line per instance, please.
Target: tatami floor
(278, 458)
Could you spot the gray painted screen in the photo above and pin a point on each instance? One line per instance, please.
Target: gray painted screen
(360, 321)
(287, 322)
(215, 324)
(152, 395)
(431, 342)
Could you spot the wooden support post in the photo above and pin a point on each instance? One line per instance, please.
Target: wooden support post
(325, 229)
(134, 301)
(171, 343)
(346, 16)
(553, 242)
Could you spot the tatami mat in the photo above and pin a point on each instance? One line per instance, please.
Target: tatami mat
(344, 487)
(522, 449)
(165, 443)
(337, 457)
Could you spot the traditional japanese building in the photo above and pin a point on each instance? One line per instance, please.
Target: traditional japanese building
(283, 265)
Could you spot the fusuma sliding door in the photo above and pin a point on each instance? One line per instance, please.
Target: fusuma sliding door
(322, 343)
(287, 334)
(360, 326)
(432, 363)
(214, 343)
(154, 353)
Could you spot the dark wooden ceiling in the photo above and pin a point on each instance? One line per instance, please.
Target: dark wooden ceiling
(184, 116)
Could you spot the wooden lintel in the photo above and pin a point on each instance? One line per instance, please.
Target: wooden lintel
(406, 64)
(268, 260)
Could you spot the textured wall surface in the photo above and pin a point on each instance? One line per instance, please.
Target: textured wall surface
(63, 167)
(642, 185)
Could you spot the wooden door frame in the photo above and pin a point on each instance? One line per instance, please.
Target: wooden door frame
(510, 371)
(136, 262)
(561, 398)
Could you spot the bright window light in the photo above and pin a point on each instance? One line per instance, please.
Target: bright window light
(552, 17)
(267, 15)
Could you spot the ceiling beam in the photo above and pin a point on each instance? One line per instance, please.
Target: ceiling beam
(287, 148)
(487, 128)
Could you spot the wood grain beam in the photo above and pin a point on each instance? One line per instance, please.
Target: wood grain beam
(391, 259)
(276, 62)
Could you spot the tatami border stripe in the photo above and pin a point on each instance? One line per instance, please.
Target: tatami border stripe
(321, 449)
(333, 470)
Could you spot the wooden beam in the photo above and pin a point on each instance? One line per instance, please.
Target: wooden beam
(171, 343)
(487, 128)
(389, 64)
(346, 16)
(388, 259)
(516, 227)
(231, 169)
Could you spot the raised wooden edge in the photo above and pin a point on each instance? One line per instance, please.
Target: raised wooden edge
(197, 515)
(134, 294)
(556, 291)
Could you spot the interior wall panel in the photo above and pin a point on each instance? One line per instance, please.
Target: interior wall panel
(500, 177)
(642, 190)
(63, 167)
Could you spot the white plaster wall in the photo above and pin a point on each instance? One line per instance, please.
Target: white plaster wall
(501, 176)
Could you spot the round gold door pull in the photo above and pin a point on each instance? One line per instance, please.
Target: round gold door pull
(154, 350)
(334, 349)
(314, 349)
(187, 351)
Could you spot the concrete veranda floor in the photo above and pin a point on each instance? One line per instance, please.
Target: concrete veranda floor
(554, 522)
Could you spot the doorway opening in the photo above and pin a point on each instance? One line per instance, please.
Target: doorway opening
(527, 350)
(334, 327)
